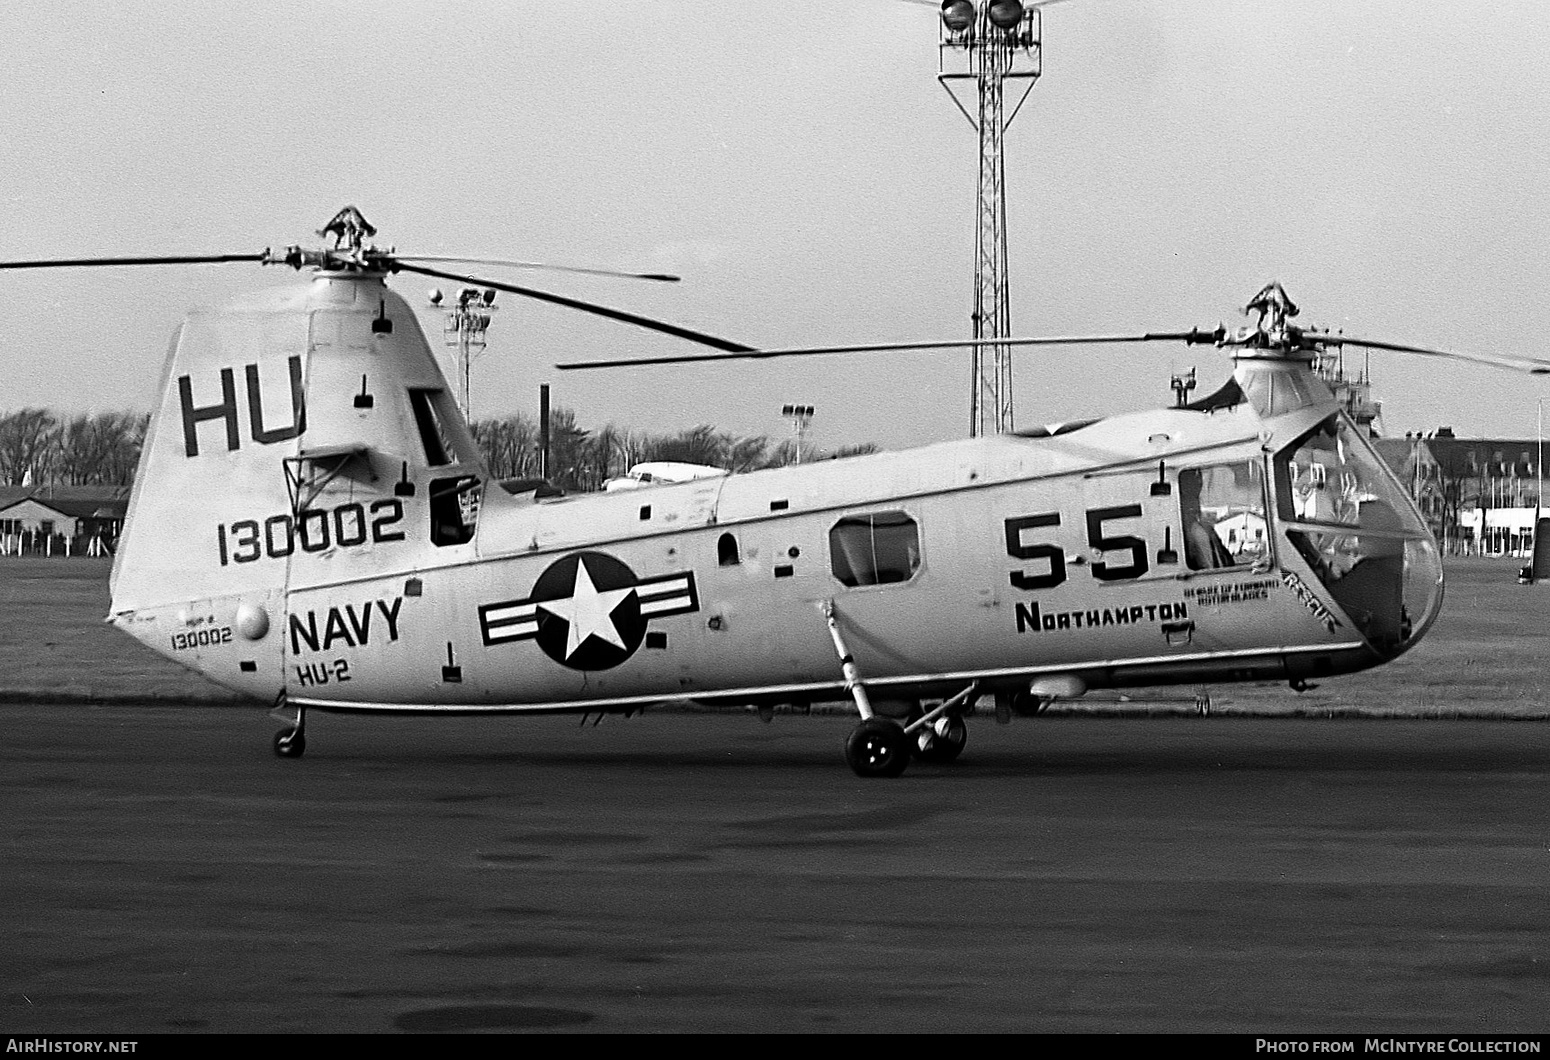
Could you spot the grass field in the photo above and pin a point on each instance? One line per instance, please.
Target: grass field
(1487, 656)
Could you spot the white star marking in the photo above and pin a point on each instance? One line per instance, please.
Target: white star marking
(587, 611)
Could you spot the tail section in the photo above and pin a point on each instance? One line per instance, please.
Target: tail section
(304, 437)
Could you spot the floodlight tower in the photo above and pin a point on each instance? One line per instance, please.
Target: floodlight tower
(986, 46)
(801, 417)
(467, 320)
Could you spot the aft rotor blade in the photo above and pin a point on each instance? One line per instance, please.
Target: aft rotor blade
(660, 277)
(1192, 337)
(1532, 365)
(75, 263)
(585, 307)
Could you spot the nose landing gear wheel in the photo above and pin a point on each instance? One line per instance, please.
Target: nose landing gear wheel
(289, 743)
(944, 742)
(878, 748)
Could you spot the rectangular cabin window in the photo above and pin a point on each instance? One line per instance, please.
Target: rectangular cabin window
(874, 549)
(437, 442)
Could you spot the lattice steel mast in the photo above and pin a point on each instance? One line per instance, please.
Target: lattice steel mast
(987, 46)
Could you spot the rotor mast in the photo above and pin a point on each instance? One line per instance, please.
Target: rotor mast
(987, 45)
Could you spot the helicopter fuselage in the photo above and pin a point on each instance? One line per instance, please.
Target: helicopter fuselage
(321, 526)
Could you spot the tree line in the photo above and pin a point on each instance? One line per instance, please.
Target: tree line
(581, 460)
(39, 448)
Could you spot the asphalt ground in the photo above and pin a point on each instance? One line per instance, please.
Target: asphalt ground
(1372, 857)
(165, 872)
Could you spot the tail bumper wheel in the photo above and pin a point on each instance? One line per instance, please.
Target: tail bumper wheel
(289, 743)
(878, 747)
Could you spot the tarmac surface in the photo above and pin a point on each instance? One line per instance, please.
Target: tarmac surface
(163, 871)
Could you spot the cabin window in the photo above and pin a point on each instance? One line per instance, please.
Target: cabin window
(454, 509)
(726, 551)
(439, 450)
(1222, 507)
(874, 549)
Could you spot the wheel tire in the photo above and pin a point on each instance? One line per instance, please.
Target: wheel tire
(288, 743)
(944, 748)
(878, 748)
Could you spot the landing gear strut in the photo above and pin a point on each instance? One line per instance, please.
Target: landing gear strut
(290, 742)
(877, 747)
(881, 747)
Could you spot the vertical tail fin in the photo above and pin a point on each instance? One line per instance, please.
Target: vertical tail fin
(304, 437)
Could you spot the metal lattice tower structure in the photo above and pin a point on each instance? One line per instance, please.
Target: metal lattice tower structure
(801, 417)
(468, 318)
(987, 46)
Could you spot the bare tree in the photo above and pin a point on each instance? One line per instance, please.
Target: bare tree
(569, 455)
(101, 449)
(697, 445)
(510, 446)
(748, 454)
(27, 441)
(580, 459)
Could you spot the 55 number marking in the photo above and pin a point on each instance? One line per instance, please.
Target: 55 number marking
(317, 529)
(1054, 557)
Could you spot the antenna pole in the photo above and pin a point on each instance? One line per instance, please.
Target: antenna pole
(999, 40)
(1539, 498)
(543, 431)
(467, 321)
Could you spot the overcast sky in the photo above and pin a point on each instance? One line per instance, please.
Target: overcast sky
(803, 170)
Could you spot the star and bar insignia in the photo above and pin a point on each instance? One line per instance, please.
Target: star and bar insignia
(588, 610)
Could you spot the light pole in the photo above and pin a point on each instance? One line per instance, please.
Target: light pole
(986, 46)
(467, 320)
(800, 416)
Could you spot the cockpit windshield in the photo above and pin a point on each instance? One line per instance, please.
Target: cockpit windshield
(1348, 517)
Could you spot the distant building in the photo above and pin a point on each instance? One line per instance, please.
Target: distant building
(78, 520)
(1499, 531)
(1243, 532)
(1454, 479)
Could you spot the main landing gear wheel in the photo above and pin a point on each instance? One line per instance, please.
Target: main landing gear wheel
(942, 741)
(289, 743)
(878, 748)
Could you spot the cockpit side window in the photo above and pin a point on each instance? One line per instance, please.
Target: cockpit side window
(1223, 511)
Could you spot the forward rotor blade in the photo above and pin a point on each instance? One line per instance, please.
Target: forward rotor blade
(660, 277)
(1532, 365)
(585, 307)
(75, 263)
(1192, 337)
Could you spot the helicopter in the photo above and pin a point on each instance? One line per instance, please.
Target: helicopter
(312, 524)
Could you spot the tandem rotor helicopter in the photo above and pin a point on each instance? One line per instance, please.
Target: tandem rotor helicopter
(312, 523)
